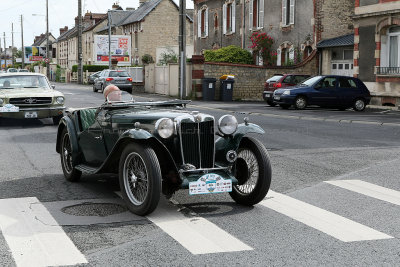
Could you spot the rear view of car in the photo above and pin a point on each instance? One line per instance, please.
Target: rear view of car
(120, 78)
(284, 81)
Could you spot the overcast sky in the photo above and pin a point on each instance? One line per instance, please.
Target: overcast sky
(61, 13)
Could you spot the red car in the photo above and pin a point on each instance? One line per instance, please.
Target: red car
(284, 81)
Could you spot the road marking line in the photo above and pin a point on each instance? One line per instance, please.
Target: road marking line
(327, 222)
(196, 234)
(368, 189)
(31, 242)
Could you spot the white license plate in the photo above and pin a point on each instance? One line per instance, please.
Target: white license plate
(30, 114)
(277, 98)
(267, 95)
(210, 183)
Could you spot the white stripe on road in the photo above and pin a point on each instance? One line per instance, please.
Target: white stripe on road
(327, 222)
(368, 189)
(196, 234)
(31, 242)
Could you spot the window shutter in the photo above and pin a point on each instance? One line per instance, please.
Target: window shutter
(278, 57)
(384, 51)
(251, 14)
(292, 11)
(224, 19)
(284, 12)
(199, 23)
(261, 14)
(291, 53)
(233, 16)
(206, 22)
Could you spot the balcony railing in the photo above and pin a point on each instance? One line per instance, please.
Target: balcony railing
(388, 71)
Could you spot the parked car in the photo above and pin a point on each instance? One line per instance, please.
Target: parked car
(93, 76)
(29, 95)
(326, 91)
(159, 147)
(119, 78)
(23, 70)
(12, 70)
(283, 81)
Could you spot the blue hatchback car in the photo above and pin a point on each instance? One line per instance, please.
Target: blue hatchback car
(325, 91)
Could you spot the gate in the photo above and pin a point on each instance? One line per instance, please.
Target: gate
(161, 80)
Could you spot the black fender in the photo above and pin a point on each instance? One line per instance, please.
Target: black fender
(67, 122)
(232, 142)
(139, 136)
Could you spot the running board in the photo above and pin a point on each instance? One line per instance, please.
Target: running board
(86, 169)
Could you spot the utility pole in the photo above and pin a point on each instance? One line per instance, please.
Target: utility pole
(22, 40)
(5, 50)
(109, 38)
(80, 67)
(12, 44)
(182, 48)
(47, 41)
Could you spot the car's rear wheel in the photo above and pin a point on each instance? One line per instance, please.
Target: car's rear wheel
(300, 102)
(284, 106)
(70, 173)
(359, 104)
(94, 88)
(253, 171)
(102, 88)
(140, 178)
(56, 119)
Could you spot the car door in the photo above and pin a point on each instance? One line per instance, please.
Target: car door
(348, 91)
(324, 93)
(91, 141)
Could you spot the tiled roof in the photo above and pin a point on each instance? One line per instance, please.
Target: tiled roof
(117, 18)
(41, 40)
(141, 12)
(345, 40)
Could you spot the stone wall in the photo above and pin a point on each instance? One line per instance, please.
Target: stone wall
(250, 79)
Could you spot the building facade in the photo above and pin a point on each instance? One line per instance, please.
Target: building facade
(376, 48)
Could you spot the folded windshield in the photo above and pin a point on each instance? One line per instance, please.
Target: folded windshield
(23, 81)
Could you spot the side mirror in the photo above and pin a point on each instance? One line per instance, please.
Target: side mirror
(53, 86)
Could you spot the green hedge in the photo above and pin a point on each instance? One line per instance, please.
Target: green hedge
(90, 68)
(230, 54)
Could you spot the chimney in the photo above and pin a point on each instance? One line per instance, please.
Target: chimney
(115, 6)
(141, 2)
(62, 30)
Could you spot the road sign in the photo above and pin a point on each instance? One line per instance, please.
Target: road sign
(46, 60)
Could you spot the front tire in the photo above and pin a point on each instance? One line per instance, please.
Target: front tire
(300, 102)
(70, 173)
(140, 178)
(56, 119)
(94, 88)
(272, 104)
(253, 171)
(359, 104)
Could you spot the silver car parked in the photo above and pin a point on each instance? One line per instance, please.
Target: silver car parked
(119, 78)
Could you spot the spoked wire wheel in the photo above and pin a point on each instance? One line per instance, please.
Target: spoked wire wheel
(252, 169)
(135, 178)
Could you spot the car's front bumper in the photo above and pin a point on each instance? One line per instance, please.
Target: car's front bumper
(284, 99)
(41, 112)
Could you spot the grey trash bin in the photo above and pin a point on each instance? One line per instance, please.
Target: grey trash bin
(208, 86)
(226, 89)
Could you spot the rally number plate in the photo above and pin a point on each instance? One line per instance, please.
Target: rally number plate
(210, 183)
(30, 114)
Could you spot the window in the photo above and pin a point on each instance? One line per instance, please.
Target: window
(347, 83)
(390, 47)
(307, 52)
(328, 82)
(202, 22)
(256, 14)
(287, 12)
(229, 12)
(215, 21)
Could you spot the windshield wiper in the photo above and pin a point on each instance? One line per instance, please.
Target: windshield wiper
(31, 86)
(7, 87)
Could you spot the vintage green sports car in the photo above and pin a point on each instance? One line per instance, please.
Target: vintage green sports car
(29, 96)
(161, 147)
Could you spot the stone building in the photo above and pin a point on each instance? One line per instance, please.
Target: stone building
(376, 48)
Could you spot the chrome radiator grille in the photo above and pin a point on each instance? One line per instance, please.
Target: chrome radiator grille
(197, 143)
(31, 101)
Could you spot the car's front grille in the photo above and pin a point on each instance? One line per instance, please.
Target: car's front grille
(197, 143)
(29, 101)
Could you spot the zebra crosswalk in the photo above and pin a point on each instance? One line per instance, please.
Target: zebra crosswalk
(35, 243)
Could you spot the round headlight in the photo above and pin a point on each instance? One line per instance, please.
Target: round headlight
(60, 100)
(165, 127)
(1, 101)
(227, 124)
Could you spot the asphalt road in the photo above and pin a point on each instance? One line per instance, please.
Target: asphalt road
(312, 223)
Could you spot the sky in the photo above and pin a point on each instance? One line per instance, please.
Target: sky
(61, 13)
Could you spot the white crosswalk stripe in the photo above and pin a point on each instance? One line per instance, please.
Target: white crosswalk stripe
(368, 189)
(32, 242)
(327, 222)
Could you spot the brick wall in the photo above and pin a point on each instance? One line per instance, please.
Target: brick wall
(249, 79)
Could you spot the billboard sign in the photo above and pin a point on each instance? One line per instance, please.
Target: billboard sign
(34, 53)
(120, 49)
